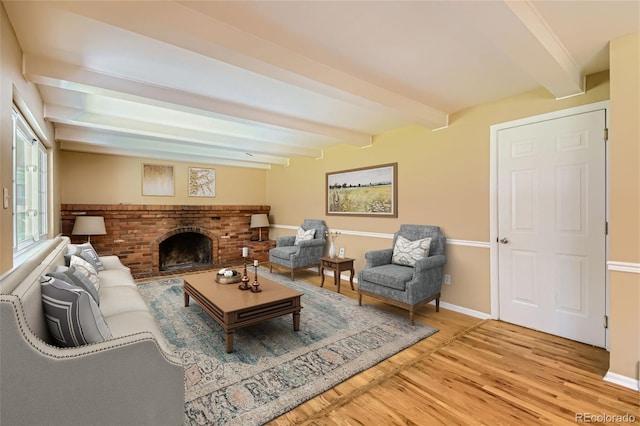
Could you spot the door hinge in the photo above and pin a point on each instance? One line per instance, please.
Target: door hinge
(606, 321)
(606, 228)
(606, 134)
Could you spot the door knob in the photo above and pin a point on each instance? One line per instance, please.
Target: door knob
(503, 240)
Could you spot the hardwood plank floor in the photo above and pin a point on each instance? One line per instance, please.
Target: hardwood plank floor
(472, 372)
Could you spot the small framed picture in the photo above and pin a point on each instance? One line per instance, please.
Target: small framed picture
(341, 253)
(157, 179)
(202, 182)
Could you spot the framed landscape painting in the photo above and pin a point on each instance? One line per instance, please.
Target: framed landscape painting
(367, 191)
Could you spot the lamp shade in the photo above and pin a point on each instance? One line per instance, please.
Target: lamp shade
(259, 220)
(89, 225)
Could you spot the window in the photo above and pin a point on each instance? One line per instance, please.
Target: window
(29, 186)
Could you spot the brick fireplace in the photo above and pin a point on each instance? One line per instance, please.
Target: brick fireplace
(135, 233)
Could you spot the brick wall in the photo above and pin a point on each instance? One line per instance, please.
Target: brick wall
(134, 232)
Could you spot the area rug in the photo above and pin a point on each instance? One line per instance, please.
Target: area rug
(273, 368)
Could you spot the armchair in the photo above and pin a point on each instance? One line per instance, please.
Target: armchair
(403, 276)
(304, 254)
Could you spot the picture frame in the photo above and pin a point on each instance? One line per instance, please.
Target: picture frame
(202, 182)
(341, 253)
(366, 191)
(158, 180)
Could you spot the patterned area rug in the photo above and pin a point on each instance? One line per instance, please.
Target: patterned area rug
(273, 368)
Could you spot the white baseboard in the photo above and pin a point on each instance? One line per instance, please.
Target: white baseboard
(463, 310)
(618, 379)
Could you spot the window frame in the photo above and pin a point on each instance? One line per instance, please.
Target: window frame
(30, 193)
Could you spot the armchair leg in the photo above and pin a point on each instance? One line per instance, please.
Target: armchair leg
(292, 270)
(411, 321)
(270, 267)
(438, 304)
(359, 299)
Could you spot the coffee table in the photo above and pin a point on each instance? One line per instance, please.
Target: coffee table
(233, 308)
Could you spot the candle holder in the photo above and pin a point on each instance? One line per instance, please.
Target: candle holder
(245, 279)
(256, 285)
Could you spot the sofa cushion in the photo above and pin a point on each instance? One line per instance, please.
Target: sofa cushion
(390, 275)
(407, 252)
(116, 278)
(71, 275)
(71, 314)
(304, 235)
(85, 251)
(116, 300)
(127, 323)
(87, 269)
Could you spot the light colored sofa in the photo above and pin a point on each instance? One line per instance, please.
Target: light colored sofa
(132, 378)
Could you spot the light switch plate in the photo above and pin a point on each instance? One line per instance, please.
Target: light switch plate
(5, 198)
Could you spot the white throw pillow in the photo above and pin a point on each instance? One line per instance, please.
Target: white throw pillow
(87, 269)
(303, 235)
(408, 252)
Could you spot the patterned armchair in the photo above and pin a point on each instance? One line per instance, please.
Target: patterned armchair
(403, 276)
(300, 251)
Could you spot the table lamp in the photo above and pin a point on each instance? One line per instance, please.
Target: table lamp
(259, 221)
(89, 225)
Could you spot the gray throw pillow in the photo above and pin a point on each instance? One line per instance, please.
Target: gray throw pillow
(71, 314)
(85, 251)
(407, 252)
(73, 276)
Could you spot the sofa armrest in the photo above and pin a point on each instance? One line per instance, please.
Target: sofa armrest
(427, 278)
(430, 262)
(112, 262)
(316, 242)
(125, 380)
(378, 257)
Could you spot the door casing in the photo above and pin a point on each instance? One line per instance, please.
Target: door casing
(493, 197)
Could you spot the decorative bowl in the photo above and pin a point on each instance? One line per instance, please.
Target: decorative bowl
(235, 278)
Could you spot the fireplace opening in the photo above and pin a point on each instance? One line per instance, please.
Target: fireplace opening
(184, 251)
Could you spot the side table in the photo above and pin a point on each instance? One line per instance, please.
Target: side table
(337, 265)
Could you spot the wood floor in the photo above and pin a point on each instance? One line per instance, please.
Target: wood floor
(473, 372)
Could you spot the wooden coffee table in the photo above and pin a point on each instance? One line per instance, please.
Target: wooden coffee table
(233, 308)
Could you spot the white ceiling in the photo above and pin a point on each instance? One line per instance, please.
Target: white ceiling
(253, 83)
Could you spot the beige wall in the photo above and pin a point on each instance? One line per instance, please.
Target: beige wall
(443, 179)
(109, 179)
(625, 205)
(14, 86)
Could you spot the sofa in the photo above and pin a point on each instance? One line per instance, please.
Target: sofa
(130, 378)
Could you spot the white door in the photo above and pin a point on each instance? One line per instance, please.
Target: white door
(551, 226)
